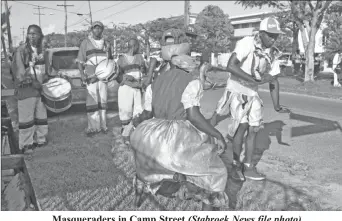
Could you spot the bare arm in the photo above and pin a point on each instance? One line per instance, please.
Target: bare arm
(18, 67)
(197, 119)
(233, 67)
(274, 90)
(152, 66)
(81, 58)
(145, 115)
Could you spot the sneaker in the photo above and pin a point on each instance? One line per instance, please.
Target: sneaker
(237, 173)
(252, 173)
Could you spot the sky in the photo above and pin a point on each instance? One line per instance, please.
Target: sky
(108, 12)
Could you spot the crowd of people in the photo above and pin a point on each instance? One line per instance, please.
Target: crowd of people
(173, 143)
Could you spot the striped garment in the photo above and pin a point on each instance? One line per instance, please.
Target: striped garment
(129, 98)
(91, 53)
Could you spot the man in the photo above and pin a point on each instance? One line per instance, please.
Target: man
(252, 63)
(29, 73)
(297, 62)
(92, 51)
(130, 66)
(336, 68)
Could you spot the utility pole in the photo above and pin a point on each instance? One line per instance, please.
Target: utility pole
(91, 17)
(23, 28)
(38, 14)
(186, 14)
(8, 28)
(114, 40)
(66, 22)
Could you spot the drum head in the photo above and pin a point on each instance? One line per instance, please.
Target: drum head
(105, 69)
(56, 88)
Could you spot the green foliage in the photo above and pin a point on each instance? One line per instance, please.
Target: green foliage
(4, 20)
(157, 27)
(333, 19)
(283, 43)
(260, 4)
(215, 29)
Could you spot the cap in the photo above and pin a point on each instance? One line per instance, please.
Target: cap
(270, 25)
(97, 23)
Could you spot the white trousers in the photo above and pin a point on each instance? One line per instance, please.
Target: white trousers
(96, 105)
(33, 124)
(130, 105)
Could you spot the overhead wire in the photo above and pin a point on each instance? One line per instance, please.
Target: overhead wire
(126, 9)
(116, 13)
(45, 7)
(108, 7)
(81, 6)
(84, 19)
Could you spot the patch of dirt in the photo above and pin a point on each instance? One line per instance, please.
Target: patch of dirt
(78, 173)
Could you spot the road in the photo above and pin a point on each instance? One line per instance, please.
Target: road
(298, 151)
(318, 145)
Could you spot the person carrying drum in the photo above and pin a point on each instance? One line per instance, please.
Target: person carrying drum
(29, 72)
(130, 67)
(92, 51)
(254, 61)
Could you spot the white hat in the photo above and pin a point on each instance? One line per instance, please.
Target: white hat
(270, 25)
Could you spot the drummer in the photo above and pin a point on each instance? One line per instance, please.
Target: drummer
(130, 67)
(92, 51)
(29, 72)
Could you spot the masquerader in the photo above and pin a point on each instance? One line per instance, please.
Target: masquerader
(92, 51)
(174, 144)
(29, 73)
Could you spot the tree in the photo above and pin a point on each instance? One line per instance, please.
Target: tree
(333, 30)
(291, 29)
(308, 16)
(3, 31)
(153, 30)
(215, 27)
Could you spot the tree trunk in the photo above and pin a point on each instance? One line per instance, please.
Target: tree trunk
(4, 47)
(309, 55)
(295, 41)
(148, 47)
(8, 24)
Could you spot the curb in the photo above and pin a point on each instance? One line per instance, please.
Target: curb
(339, 100)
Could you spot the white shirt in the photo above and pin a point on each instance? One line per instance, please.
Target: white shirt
(245, 50)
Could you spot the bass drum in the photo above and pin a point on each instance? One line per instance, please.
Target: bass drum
(106, 70)
(56, 95)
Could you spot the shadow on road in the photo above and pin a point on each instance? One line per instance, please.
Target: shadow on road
(263, 142)
(319, 125)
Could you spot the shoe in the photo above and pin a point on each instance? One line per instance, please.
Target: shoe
(252, 173)
(90, 133)
(104, 130)
(37, 145)
(237, 173)
(27, 149)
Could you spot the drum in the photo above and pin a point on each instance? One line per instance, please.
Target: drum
(56, 95)
(106, 70)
